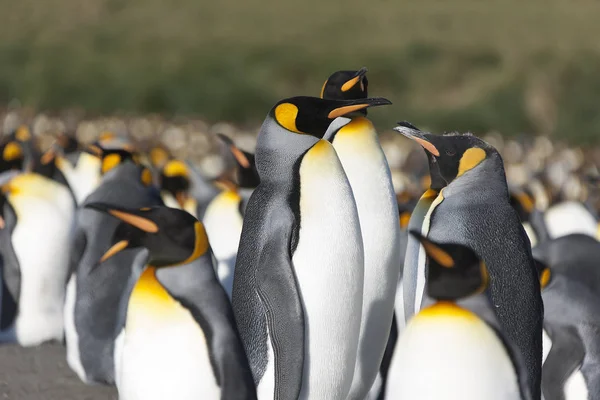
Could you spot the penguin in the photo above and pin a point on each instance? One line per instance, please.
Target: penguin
(37, 224)
(225, 213)
(202, 189)
(175, 187)
(366, 167)
(178, 315)
(570, 282)
(569, 217)
(12, 156)
(455, 335)
(298, 283)
(468, 204)
(80, 165)
(94, 309)
(28, 142)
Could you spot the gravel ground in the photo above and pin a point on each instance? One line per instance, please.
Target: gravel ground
(42, 373)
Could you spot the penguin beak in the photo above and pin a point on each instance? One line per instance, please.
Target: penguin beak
(357, 77)
(116, 248)
(356, 105)
(239, 156)
(131, 217)
(415, 134)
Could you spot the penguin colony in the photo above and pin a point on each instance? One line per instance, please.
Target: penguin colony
(305, 270)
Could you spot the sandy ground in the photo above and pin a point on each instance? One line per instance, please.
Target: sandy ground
(42, 373)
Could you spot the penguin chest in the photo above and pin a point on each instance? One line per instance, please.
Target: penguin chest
(84, 177)
(328, 263)
(447, 352)
(165, 352)
(223, 223)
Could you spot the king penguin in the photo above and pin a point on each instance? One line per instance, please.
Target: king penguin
(297, 290)
(468, 204)
(364, 162)
(570, 280)
(180, 339)
(38, 218)
(455, 336)
(224, 214)
(94, 310)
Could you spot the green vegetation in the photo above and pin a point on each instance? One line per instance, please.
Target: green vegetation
(508, 65)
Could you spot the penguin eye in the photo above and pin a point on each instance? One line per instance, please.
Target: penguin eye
(450, 152)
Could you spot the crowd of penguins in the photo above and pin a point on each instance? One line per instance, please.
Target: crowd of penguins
(300, 273)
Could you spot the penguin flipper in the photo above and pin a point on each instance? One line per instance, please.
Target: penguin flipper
(566, 355)
(278, 290)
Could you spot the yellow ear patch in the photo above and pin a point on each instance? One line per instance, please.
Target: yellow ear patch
(117, 247)
(146, 177)
(350, 84)
(12, 151)
(139, 222)
(286, 114)
(545, 277)
(109, 162)
(23, 134)
(201, 244)
(470, 159)
(404, 219)
(340, 111)
(323, 88)
(175, 168)
(158, 156)
(439, 255)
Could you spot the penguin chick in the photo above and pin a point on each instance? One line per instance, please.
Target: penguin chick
(180, 337)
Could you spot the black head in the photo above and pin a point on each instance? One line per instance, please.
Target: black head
(67, 142)
(171, 236)
(12, 156)
(111, 158)
(246, 175)
(450, 155)
(346, 85)
(175, 178)
(454, 271)
(312, 115)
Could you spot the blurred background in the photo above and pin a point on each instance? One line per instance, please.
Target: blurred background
(508, 66)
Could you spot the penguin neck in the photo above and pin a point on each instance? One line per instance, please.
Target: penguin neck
(180, 280)
(487, 181)
(278, 151)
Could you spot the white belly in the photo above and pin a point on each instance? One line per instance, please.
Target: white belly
(166, 361)
(452, 359)
(223, 223)
(266, 387)
(570, 217)
(328, 262)
(84, 177)
(364, 162)
(41, 241)
(71, 336)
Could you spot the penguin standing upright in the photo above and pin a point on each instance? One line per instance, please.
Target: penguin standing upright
(297, 290)
(180, 339)
(364, 162)
(94, 310)
(224, 214)
(570, 281)
(468, 203)
(455, 336)
(38, 218)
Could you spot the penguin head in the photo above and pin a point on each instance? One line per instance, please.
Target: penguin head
(67, 143)
(246, 175)
(113, 157)
(346, 85)
(175, 178)
(22, 134)
(172, 236)
(158, 156)
(454, 271)
(312, 115)
(12, 156)
(450, 155)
